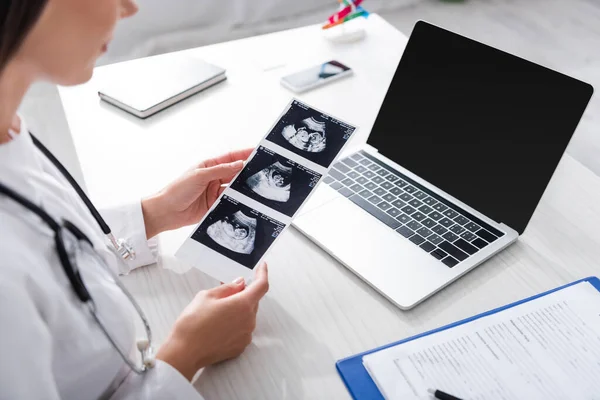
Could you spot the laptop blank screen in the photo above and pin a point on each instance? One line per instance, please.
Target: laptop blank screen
(486, 127)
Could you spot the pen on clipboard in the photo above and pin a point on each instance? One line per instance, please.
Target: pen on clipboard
(438, 394)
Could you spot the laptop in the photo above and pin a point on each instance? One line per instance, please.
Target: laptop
(146, 86)
(459, 156)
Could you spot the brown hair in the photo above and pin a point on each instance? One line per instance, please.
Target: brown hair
(17, 17)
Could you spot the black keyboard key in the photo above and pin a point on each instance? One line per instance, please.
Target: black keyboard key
(389, 197)
(450, 262)
(450, 213)
(336, 174)
(384, 205)
(336, 185)
(416, 239)
(342, 167)
(415, 203)
(350, 162)
(453, 251)
(360, 169)
(419, 195)
(446, 222)
(488, 237)
(425, 209)
(414, 225)
(353, 174)
(365, 162)
(362, 180)
(375, 199)
(427, 246)
(419, 216)
(370, 185)
(379, 191)
(365, 194)
(449, 236)
(376, 212)
(396, 191)
(472, 226)
(439, 254)
(468, 236)
(408, 210)
(428, 222)
(440, 230)
(461, 220)
(424, 232)
(392, 178)
(430, 201)
(348, 182)
(387, 185)
(356, 156)
(400, 183)
(440, 207)
(377, 180)
(357, 188)
(405, 197)
(457, 229)
(382, 172)
(328, 180)
(435, 239)
(404, 231)
(436, 216)
(398, 203)
(374, 167)
(404, 218)
(345, 192)
(480, 243)
(394, 212)
(466, 247)
(410, 189)
(369, 174)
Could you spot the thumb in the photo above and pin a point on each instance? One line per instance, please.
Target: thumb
(220, 171)
(220, 292)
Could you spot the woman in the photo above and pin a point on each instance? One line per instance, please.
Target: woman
(51, 345)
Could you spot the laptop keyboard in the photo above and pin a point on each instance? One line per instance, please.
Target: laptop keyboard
(445, 232)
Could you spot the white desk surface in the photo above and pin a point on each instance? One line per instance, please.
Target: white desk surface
(316, 311)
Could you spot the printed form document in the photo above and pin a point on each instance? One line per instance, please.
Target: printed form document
(547, 348)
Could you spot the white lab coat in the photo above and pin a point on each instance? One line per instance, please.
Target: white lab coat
(50, 347)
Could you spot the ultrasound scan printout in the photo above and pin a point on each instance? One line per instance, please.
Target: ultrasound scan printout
(238, 232)
(279, 176)
(276, 181)
(311, 134)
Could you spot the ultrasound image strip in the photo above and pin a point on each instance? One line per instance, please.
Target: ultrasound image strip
(262, 200)
(276, 181)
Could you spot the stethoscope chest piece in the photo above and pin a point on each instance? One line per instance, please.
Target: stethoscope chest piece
(148, 357)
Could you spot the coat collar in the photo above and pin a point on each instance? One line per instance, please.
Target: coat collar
(20, 163)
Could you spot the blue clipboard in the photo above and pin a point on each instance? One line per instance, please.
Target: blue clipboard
(359, 382)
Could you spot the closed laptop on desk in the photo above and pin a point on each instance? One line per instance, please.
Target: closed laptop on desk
(461, 152)
(146, 86)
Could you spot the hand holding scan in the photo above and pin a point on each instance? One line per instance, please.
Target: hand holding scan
(216, 326)
(185, 201)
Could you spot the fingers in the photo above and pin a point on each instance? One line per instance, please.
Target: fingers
(227, 158)
(229, 289)
(260, 285)
(220, 172)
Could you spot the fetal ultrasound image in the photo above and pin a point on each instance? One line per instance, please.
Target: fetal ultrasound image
(238, 232)
(311, 134)
(275, 181)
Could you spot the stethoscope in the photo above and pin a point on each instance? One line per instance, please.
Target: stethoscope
(70, 241)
